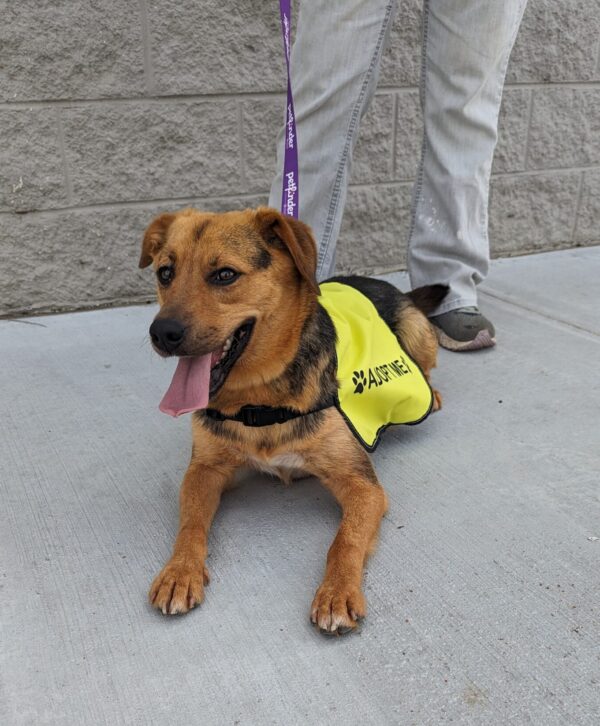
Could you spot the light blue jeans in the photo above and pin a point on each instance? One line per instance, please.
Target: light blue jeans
(335, 67)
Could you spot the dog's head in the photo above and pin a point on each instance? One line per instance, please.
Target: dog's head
(229, 286)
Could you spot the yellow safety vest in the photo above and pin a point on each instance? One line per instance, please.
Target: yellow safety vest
(379, 383)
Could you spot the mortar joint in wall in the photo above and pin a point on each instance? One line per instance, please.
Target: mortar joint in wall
(146, 36)
(242, 154)
(63, 155)
(577, 207)
(528, 131)
(394, 134)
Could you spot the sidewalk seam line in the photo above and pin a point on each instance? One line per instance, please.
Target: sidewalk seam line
(546, 316)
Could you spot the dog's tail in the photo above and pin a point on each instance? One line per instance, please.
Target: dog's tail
(427, 298)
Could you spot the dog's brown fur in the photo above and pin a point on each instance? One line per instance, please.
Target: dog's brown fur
(285, 364)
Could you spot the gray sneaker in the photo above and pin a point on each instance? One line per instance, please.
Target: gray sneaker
(464, 329)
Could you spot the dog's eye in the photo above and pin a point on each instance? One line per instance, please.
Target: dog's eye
(165, 274)
(224, 276)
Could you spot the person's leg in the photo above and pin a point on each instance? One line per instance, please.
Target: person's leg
(335, 65)
(466, 48)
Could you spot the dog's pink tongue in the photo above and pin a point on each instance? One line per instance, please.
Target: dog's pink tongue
(190, 385)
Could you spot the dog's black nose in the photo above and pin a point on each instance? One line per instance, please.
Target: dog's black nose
(167, 334)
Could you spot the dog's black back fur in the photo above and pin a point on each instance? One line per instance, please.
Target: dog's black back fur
(387, 299)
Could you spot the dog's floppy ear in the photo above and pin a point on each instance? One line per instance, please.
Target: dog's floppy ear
(296, 237)
(154, 238)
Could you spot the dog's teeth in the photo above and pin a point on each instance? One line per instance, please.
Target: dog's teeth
(228, 343)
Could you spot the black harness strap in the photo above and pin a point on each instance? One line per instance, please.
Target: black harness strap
(263, 415)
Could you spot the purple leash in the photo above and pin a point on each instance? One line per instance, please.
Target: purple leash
(291, 184)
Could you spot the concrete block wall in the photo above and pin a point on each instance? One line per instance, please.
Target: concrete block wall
(113, 112)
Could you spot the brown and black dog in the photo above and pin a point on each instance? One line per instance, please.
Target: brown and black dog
(238, 290)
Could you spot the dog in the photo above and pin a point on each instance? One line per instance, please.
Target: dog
(240, 309)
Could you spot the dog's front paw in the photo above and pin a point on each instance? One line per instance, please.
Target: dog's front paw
(178, 588)
(337, 609)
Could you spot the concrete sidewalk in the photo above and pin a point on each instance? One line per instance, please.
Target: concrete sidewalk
(484, 593)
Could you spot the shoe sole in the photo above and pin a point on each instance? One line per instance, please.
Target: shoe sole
(483, 339)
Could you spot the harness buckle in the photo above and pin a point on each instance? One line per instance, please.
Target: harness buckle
(263, 415)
